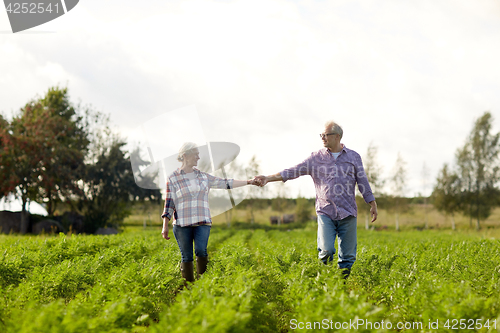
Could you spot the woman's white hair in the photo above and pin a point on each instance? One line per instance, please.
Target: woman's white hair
(186, 149)
(334, 127)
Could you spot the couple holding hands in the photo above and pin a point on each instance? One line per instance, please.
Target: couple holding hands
(334, 169)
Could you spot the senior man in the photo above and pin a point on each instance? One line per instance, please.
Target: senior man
(335, 170)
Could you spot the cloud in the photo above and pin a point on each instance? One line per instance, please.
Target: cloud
(24, 75)
(266, 75)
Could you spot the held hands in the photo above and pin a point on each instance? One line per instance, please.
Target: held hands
(259, 181)
(252, 182)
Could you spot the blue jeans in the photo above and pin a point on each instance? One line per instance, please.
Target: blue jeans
(345, 229)
(185, 237)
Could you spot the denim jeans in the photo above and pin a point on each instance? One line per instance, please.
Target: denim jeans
(185, 236)
(345, 229)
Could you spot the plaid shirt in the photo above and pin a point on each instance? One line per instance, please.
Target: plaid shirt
(188, 207)
(334, 180)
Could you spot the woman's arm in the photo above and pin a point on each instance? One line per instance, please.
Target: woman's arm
(169, 209)
(239, 183)
(222, 183)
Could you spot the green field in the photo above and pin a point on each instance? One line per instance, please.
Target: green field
(259, 279)
(412, 219)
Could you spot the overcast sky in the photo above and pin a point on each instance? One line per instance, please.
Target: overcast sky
(409, 76)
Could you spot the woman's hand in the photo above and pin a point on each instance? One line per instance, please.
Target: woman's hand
(164, 231)
(253, 182)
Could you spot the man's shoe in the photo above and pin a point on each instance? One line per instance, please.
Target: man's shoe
(345, 272)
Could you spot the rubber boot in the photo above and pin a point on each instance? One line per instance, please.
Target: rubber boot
(187, 271)
(345, 272)
(201, 265)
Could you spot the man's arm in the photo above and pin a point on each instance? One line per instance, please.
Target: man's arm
(301, 169)
(263, 180)
(364, 187)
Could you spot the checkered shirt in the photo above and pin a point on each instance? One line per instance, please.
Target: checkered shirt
(334, 180)
(188, 207)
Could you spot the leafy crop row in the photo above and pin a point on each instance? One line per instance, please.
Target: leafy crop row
(86, 283)
(438, 278)
(257, 281)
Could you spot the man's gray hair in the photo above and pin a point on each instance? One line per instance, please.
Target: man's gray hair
(186, 149)
(334, 128)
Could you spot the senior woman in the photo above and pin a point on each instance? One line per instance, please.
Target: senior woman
(187, 205)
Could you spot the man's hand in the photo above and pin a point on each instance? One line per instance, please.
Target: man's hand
(373, 210)
(260, 180)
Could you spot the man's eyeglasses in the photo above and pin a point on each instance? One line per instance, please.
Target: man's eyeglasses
(322, 135)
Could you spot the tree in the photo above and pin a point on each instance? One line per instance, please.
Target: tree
(446, 194)
(236, 171)
(66, 164)
(279, 203)
(43, 149)
(28, 147)
(373, 172)
(398, 180)
(53, 152)
(108, 184)
(106, 188)
(8, 178)
(302, 209)
(465, 169)
(478, 163)
(425, 178)
(254, 192)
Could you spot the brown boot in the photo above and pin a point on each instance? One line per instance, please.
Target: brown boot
(201, 265)
(187, 271)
